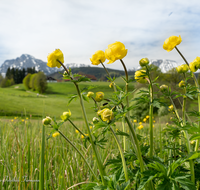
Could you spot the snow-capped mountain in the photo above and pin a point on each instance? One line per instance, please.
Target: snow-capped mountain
(164, 64)
(25, 61)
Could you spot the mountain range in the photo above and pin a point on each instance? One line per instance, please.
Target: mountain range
(25, 61)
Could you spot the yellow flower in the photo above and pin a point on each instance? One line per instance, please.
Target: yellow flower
(153, 126)
(106, 114)
(22, 120)
(135, 121)
(115, 51)
(91, 127)
(182, 68)
(99, 96)
(195, 65)
(82, 136)
(140, 123)
(53, 57)
(87, 135)
(140, 76)
(167, 123)
(90, 94)
(144, 119)
(154, 121)
(12, 120)
(171, 108)
(144, 62)
(98, 57)
(15, 117)
(147, 116)
(192, 142)
(171, 42)
(140, 127)
(182, 84)
(66, 115)
(55, 134)
(46, 121)
(111, 85)
(27, 118)
(77, 131)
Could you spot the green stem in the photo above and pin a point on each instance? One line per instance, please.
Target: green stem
(76, 128)
(41, 182)
(126, 74)
(124, 138)
(122, 155)
(198, 90)
(99, 162)
(98, 159)
(79, 153)
(136, 143)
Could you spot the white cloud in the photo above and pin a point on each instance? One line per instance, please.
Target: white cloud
(79, 28)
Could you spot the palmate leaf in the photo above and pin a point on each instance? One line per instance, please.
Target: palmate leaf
(72, 97)
(184, 181)
(165, 185)
(148, 176)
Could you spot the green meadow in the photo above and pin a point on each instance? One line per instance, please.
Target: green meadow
(16, 101)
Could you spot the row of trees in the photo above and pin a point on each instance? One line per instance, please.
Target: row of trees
(36, 82)
(18, 75)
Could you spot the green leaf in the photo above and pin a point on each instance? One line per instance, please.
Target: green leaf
(85, 97)
(194, 156)
(185, 182)
(165, 185)
(195, 137)
(122, 133)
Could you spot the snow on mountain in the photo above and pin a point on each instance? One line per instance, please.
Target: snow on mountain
(27, 61)
(164, 64)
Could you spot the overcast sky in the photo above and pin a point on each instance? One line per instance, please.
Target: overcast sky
(79, 28)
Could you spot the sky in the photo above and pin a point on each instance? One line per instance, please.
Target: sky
(81, 27)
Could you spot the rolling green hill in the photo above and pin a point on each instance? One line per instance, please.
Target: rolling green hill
(16, 101)
(99, 73)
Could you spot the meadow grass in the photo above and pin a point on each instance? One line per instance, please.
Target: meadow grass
(20, 155)
(16, 101)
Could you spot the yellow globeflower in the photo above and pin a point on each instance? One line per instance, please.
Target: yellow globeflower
(55, 134)
(53, 57)
(144, 62)
(99, 96)
(171, 42)
(98, 57)
(77, 131)
(147, 116)
(182, 68)
(135, 121)
(140, 127)
(46, 121)
(91, 127)
(140, 76)
(90, 94)
(82, 136)
(66, 115)
(171, 108)
(195, 65)
(115, 51)
(140, 123)
(182, 84)
(106, 114)
(144, 119)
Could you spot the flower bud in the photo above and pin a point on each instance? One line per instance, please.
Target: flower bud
(195, 65)
(182, 68)
(66, 115)
(182, 84)
(46, 121)
(140, 76)
(164, 88)
(144, 62)
(90, 94)
(95, 120)
(99, 96)
(106, 114)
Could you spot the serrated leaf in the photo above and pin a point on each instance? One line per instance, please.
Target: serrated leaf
(122, 133)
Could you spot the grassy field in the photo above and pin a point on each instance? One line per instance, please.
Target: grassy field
(16, 101)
